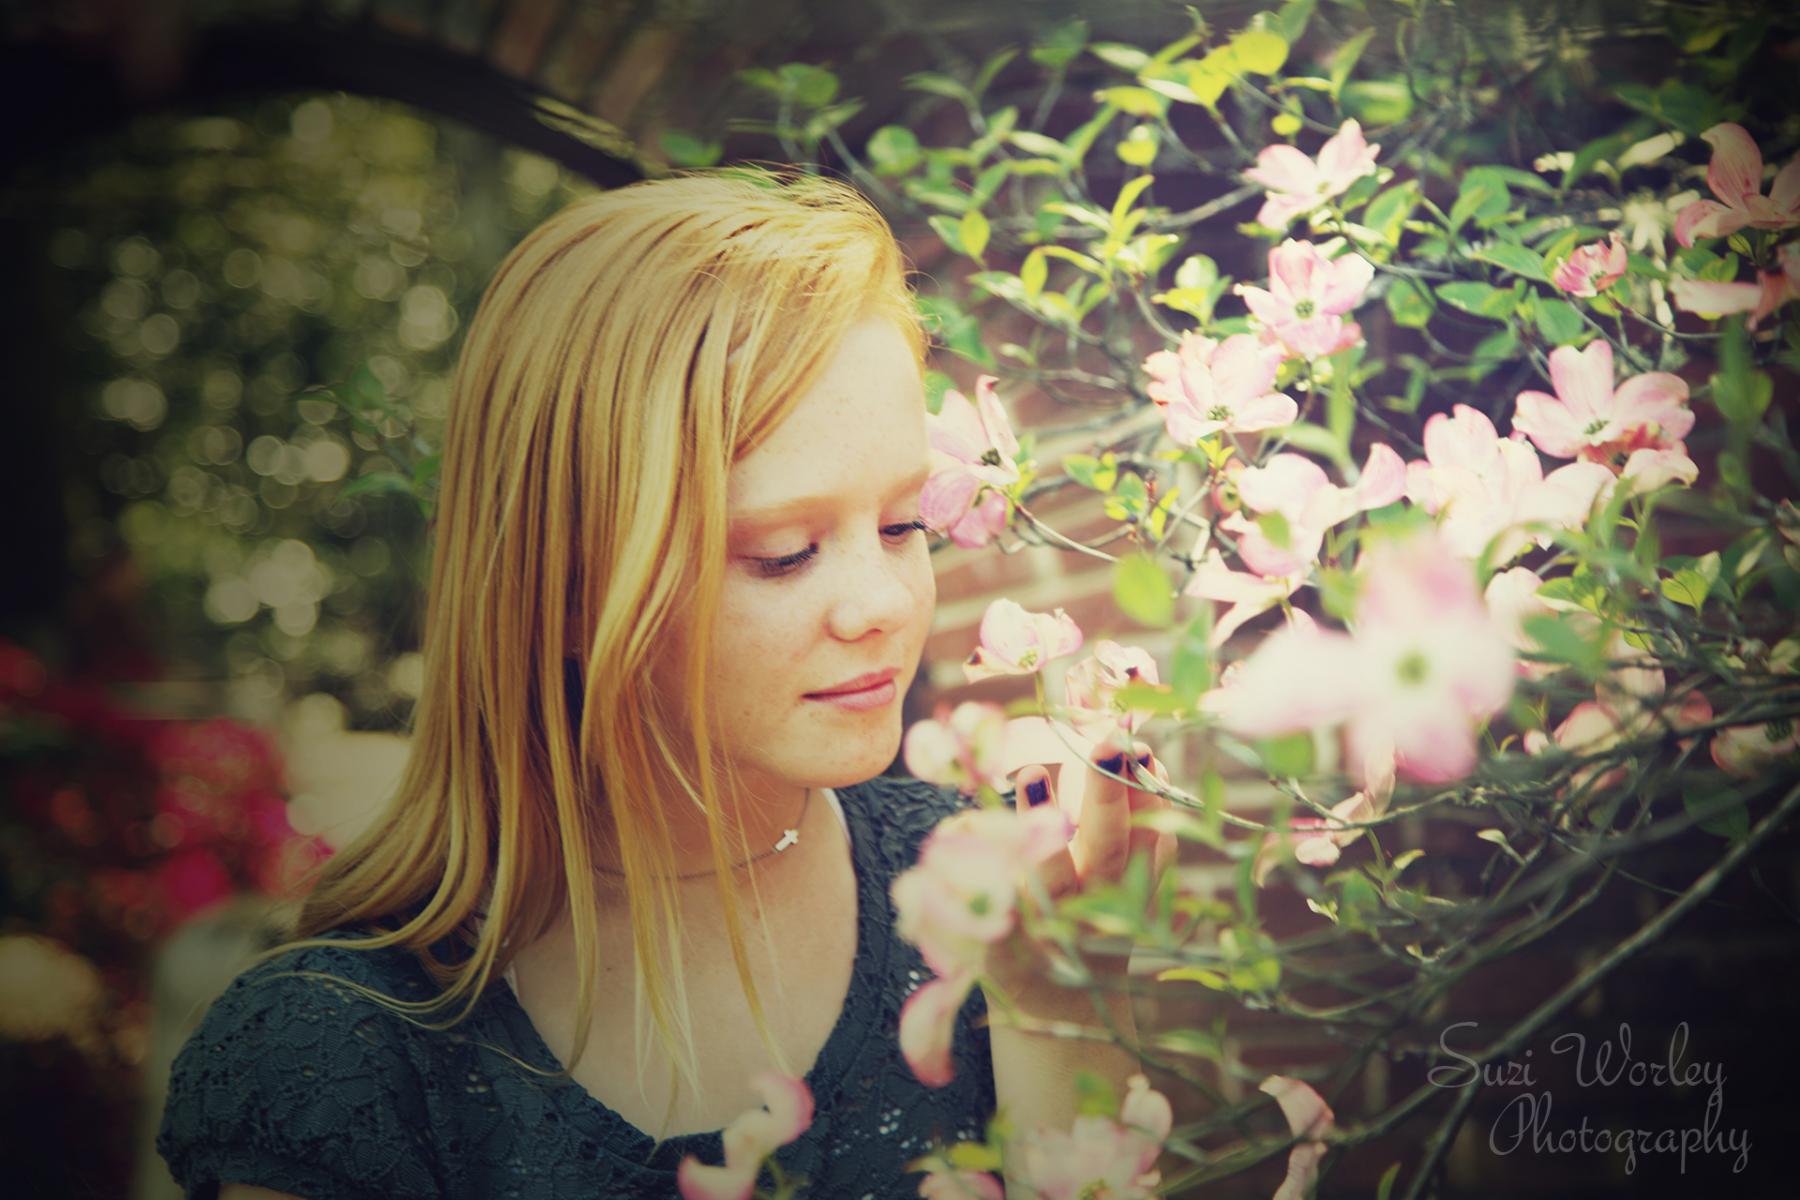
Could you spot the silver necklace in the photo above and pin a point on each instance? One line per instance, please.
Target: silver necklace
(789, 837)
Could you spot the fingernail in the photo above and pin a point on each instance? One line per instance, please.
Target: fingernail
(1113, 765)
(1036, 792)
(1144, 761)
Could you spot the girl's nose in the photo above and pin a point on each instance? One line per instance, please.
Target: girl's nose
(878, 591)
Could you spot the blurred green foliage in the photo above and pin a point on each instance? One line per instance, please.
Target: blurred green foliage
(269, 308)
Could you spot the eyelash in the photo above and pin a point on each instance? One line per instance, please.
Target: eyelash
(787, 564)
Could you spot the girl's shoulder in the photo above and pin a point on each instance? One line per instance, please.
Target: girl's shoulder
(305, 1076)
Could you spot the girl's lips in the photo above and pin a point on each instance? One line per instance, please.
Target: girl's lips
(878, 696)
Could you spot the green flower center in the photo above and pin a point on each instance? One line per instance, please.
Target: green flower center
(1305, 309)
(1218, 412)
(1594, 427)
(990, 457)
(1412, 669)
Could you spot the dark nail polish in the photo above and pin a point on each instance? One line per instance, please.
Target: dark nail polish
(1144, 761)
(1036, 792)
(1113, 765)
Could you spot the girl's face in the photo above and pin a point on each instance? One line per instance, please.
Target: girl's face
(829, 591)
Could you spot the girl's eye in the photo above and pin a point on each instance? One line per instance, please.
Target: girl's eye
(770, 568)
(899, 533)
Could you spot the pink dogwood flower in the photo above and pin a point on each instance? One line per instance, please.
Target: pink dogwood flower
(1308, 294)
(1249, 595)
(1589, 419)
(945, 1181)
(1017, 642)
(1205, 387)
(750, 1138)
(1309, 503)
(1098, 1156)
(1591, 269)
(958, 900)
(1091, 688)
(963, 748)
(1484, 487)
(1746, 751)
(1316, 840)
(1297, 184)
(1735, 177)
(1771, 290)
(974, 455)
(1309, 1118)
(1426, 665)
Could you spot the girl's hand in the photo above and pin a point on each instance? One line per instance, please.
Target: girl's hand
(1102, 803)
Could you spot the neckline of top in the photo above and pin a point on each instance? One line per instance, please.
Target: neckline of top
(619, 1137)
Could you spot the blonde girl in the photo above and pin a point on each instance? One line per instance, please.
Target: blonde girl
(643, 847)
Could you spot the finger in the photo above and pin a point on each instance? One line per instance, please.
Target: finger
(1103, 836)
(1143, 840)
(1034, 790)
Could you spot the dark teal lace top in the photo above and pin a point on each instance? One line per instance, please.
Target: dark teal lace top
(297, 1083)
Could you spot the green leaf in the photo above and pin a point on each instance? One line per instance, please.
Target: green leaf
(1387, 212)
(1480, 299)
(1562, 641)
(939, 85)
(991, 68)
(1274, 526)
(1604, 148)
(1117, 54)
(1033, 273)
(957, 330)
(1189, 1041)
(808, 85)
(1343, 61)
(1258, 51)
(972, 1156)
(1559, 321)
(894, 149)
(1408, 306)
(1208, 78)
(1094, 1096)
(1290, 20)
(1741, 394)
(1077, 144)
(1691, 579)
(1199, 975)
(1287, 757)
(1142, 590)
(1138, 148)
(1058, 48)
(684, 149)
(949, 229)
(1134, 101)
(1520, 260)
(1377, 102)
(377, 483)
(1483, 197)
(974, 231)
(1191, 673)
(1728, 819)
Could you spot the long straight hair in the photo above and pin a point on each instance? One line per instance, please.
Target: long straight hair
(626, 353)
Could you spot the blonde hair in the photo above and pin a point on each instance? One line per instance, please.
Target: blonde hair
(626, 353)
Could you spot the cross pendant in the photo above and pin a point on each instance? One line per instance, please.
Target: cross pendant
(788, 838)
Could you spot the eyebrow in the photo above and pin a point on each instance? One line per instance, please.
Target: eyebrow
(803, 504)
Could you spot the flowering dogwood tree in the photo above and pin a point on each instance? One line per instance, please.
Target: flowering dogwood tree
(1398, 532)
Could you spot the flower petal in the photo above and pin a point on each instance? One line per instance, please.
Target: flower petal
(697, 1181)
(927, 1025)
(1735, 172)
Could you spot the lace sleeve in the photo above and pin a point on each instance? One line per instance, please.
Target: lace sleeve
(298, 1083)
